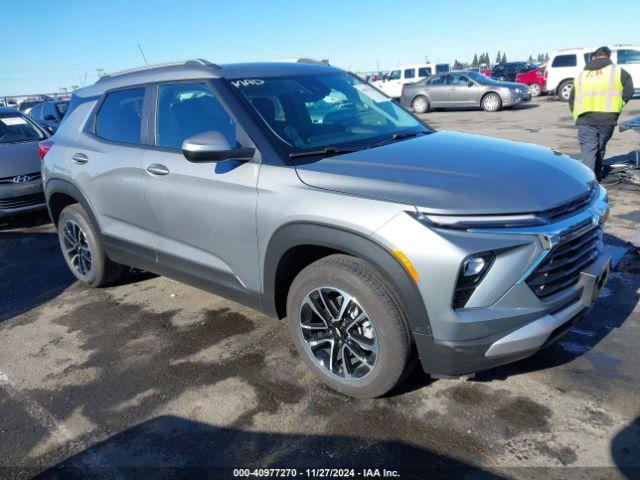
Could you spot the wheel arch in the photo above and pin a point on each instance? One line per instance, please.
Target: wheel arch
(60, 194)
(281, 265)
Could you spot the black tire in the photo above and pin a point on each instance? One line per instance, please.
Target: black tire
(420, 104)
(102, 270)
(491, 102)
(378, 300)
(564, 90)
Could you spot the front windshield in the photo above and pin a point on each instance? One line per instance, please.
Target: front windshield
(334, 110)
(481, 79)
(15, 128)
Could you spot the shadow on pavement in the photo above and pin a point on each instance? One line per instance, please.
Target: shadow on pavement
(32, 271)
(173, 447)
(625, 450)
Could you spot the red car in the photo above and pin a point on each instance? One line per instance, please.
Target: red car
(536, 79)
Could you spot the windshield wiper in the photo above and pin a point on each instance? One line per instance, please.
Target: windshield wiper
(395, 137)
(325, 152)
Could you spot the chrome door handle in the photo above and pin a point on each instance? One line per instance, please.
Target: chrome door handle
(157, 169)
(80, 158)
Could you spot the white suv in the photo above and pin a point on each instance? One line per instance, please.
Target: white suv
(392, 83)
(565, 65)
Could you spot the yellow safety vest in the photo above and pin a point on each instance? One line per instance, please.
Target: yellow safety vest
(598, 91)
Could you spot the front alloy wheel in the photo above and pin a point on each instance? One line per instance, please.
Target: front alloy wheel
(338, 332)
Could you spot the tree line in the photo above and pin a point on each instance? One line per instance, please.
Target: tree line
(483, 60)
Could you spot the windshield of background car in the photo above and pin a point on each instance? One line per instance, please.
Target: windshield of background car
(308, 112)
(481, 79)
(16, 128)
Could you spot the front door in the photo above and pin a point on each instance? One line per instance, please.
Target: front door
(463, 91)
(202, 214)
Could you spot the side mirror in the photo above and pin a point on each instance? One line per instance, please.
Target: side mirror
(49, 118)
(470, 83)
(213, 146)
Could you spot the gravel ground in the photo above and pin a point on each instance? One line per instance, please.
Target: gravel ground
(152, 378)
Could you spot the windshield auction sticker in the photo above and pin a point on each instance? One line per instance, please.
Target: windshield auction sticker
(10, 121)
(371, 92)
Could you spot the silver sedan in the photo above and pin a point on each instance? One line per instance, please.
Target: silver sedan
(462, 89)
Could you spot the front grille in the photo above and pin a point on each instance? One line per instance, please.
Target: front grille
(562, 266)
(33, 176)
(570, 208)
(22, 201)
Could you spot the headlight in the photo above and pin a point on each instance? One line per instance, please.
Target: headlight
(465, 222)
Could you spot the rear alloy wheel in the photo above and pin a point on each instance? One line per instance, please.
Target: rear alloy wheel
(491, 102)
(564, 90)
(82, 248)
(348, 327)
(420, 104)
(535, 89)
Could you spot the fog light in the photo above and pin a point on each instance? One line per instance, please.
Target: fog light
(473, 266)
(471, 274)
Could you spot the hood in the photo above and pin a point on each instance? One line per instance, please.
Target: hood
(512, 85)
(19, 159)
(598, 63)
(455, 173)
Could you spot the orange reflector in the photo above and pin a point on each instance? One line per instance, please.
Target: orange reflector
(407, 264)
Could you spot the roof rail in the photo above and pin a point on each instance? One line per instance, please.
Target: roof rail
(145, 68)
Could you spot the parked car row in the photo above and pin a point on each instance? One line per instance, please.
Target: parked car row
(413, 86)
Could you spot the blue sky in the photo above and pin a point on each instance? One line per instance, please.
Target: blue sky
(52, 44)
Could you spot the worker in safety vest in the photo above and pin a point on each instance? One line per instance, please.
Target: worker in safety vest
(597, 98)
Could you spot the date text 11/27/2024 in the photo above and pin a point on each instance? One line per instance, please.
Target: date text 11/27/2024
(316, 473)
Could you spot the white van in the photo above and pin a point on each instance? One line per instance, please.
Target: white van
(565, 65)
(391, 85)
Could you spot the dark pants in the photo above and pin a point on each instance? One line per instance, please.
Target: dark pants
(593, 142)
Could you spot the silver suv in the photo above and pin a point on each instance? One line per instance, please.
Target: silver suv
(303, 192)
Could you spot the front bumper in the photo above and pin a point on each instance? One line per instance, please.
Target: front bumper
(503, 320)
(17, 198)
(450, 358)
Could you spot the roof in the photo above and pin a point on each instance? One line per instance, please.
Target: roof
(200, 69)
(9, 110)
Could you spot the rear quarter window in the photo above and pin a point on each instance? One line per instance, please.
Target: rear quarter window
(120, 116)
(564, 61)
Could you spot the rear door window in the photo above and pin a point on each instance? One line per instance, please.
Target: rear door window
(564, 61)
(410, 73)
(120, 116)
(187, 109)
(437, 80)
(424, 72)
(628, 57)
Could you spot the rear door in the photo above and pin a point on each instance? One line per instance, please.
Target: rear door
(202, 214)
(107, 165)
(437, 88)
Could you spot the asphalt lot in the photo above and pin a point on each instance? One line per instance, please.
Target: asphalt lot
(154, 374)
